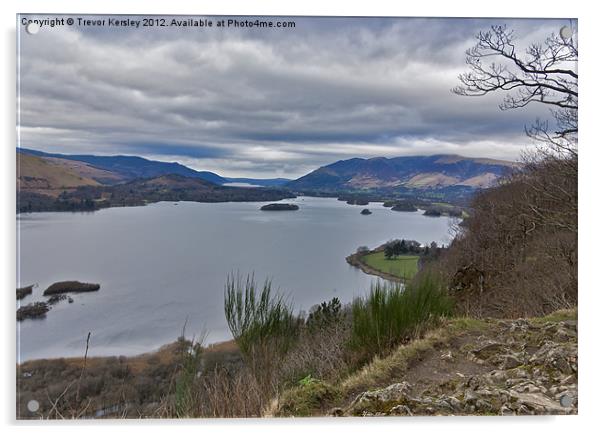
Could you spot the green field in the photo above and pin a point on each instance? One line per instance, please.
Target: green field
(405, 266)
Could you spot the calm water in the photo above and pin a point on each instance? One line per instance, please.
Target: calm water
(164, 265)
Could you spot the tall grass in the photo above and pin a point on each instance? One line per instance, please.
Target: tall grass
(391, 313)
(262, 323)
(190, 367)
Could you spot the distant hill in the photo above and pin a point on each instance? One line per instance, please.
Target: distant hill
(50, 177)
(419, 172)
(170, 188)
(270, 182)
(116, 169)
(126, 168)
(174, 187)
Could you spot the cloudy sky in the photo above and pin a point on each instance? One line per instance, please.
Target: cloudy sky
(266, 102)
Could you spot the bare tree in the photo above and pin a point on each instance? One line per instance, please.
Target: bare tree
(546, 73)
(516, 255)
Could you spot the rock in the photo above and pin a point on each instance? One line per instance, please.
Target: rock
(54, 299)
(526, 387)
(510, 361)
(556, 356)
(366, 211)
(483, 406)
(447, 356)
(474, 382)
(488, 350)
(451, 403)
(520, 373)
(401, 410)
(538, 403)
(568, 380)
(470, 397)
(375, 400)
(32, 310)
(520, 325)
(506, 411)
(534, 373)
(336, 412)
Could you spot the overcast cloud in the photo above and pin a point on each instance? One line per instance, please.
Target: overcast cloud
(270, 102)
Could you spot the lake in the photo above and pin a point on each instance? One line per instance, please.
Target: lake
(164, 265)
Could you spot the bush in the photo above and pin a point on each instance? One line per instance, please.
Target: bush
(392, 314)
(185, 381)
(310, 397)
(324, 315)
(322, 349)
(262, 323)
(516, 256)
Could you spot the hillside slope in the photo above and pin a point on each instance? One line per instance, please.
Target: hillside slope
(466, 367)
(420, 172)
(50, 177)
(116, 169)
(127, 168)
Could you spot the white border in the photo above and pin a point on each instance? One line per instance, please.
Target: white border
(590, 300)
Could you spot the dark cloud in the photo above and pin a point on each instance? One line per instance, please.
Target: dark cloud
(266, 102)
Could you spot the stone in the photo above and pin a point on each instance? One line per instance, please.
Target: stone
(506, 411)
(375, 399)
(401, 410)
(488, 350)
(447, 356)
(336, 412)
(470, 397)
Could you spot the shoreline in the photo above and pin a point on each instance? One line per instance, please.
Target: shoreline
(355, 261)
(163, 352)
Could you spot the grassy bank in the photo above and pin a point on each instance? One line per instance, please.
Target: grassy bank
(404, 267)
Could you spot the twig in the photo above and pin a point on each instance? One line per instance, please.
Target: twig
(81, 375)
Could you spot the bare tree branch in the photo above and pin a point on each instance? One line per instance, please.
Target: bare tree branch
(545, 74)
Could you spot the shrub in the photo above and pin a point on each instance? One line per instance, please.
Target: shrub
(185, 382)
(325, 314)
(311, 396)
(262, 323)
(322, 350)
(392, 313)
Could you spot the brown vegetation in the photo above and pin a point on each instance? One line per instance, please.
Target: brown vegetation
(516, 255)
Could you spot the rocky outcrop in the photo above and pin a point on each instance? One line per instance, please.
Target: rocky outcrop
(526, 368)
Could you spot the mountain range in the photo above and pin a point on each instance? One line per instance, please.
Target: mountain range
(109, 170)
(64, 182)
(416, 172)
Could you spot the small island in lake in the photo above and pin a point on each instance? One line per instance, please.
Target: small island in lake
(366, 211)
(400, 205)
(71, 286)
(280, 207)
(24, 292)
(32, 310)
(55, 293)
(405, 207)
